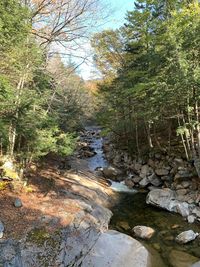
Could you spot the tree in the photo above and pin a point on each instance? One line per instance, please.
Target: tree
(155, 93)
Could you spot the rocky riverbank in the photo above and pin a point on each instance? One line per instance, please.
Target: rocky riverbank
(62, 220)
(172, 181)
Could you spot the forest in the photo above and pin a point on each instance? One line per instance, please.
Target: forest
(91, 165)
(151, 77)
(43, 101)
(148, 93)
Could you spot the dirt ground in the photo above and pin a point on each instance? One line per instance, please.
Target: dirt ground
(51, 198)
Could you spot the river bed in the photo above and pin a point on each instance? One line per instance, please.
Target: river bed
(132, 210)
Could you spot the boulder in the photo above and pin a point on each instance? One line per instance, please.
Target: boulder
(161, 198)
(129, 183)
(162, 172)
(182, 208)
(183, 174)
(197, 264)
(137, 179)
(166, 178)
(181, 259)
(144, 182)
(191, 219)
(166, 199)
(186, 184)
(151, 163)
(178, 162)
(154, 180)
(110, 172)
(144, 171)
(137, 166)
(114, 249)
(186, 237)
(143, 232)
(196, 211)
(182, 192)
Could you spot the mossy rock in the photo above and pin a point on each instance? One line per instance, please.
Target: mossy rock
(40, 236)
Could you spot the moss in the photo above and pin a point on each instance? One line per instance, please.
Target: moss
(38, 236)
(3, 185)
(41, 235)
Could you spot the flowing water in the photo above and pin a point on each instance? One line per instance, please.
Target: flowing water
(132, 210)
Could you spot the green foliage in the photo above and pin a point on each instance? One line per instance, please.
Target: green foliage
(42, 102)
(154, 94)
(13, 23)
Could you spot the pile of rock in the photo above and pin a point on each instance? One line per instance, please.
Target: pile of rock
(172, 180)
(85, 150)
(157, 170)
(169, 200)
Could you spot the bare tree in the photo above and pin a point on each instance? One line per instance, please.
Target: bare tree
(62, 21)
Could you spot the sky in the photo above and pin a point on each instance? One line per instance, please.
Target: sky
(118, 9)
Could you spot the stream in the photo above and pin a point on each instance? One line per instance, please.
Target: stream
(132, 210)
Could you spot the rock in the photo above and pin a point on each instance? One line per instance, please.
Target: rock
(179, 162)
(191, 219)
(143, 232)
(110, 172)
(157, 246)
(181, 259)
(113, 249)
(185, 184)
(186, 237)
(196, 211)
(182, 192)
(151, 163)
(161, 198)
(124, 225)
(18, 203)
(197, 264)
(137, 166)
(154, 180)
(169, 238)
(144, 182)
(166, 199)
(181, 207)
(162, 172)
(183, 174)
(89, 154)
(129, 183)
(137, 179)
(166, 178)
(158, 156)
(178, 186)
(117, 159)
(151, 187)
(144, 170)
(8, 165)
(1, 229)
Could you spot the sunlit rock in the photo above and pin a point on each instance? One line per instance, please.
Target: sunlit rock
(186, 237)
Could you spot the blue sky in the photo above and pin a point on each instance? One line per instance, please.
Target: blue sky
(117, 11)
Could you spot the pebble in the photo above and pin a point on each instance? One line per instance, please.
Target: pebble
(18, 203)
(1, 229)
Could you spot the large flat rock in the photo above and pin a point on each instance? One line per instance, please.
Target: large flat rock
(114, 249)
